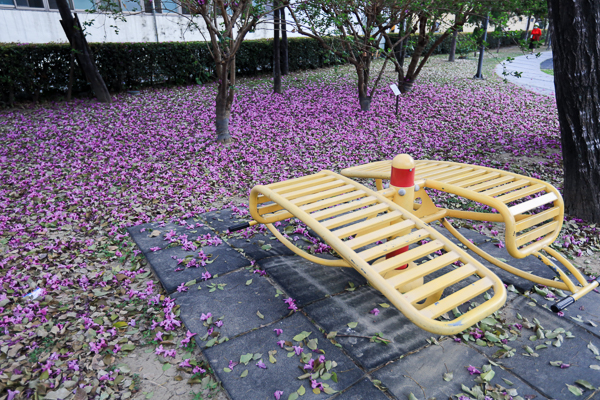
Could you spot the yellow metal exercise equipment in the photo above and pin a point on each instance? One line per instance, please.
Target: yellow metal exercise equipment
(355, 220)
(531, 224)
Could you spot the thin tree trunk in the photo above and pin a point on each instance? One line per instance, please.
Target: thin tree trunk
(576, 53)
(285, 67)
(276, 51)
(76, 37)
(363, 97)
(527, 29)
(500, 40)
(71, 76)
(225, 93)
(452, 54)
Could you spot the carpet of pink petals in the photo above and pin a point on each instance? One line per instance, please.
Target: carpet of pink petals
(73, 176)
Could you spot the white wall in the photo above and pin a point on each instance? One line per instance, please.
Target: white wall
(42, 26)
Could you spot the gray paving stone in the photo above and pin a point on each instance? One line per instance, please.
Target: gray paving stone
(166, 262)
(306, 281)
(428, 366)
(283, 375)
(336, 312)
(362, 390)
(220, 220)
(141, 233)
(252, 247)
(537, 371)
(582, 313)
(237, 303)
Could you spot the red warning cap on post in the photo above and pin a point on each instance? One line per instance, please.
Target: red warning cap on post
(403, 171)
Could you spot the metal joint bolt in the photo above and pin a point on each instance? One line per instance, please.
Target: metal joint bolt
(401, 192)
(417, 188)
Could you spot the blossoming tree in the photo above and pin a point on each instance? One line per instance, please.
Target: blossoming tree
(227, 24)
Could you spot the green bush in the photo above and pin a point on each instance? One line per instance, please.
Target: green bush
(465, 40)
(34, 71)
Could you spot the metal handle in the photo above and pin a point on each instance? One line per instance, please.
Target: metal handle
(562, 304)
(239, 227)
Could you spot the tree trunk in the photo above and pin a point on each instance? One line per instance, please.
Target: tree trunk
(527, 29)
(285, 67)
(76, 37)
(576, 54)
(363, 97)
(500, 40)
(276, 52)
(453, 46)
(400, 54)
(225, 93)
(71, 76)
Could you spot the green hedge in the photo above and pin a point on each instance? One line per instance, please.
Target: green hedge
(34, 71)
(508, 38)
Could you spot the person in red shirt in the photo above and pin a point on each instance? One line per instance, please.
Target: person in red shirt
(536, 34)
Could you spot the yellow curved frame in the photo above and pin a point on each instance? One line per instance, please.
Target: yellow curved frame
(503, 216)
(376, 280)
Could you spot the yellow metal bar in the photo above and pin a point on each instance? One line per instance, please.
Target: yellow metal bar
(317, 188)
(368, 224)
(530, 220)
(410, 255)
(380, 234)
(506, 188)
(375, 279)
(423, 269)
(578, 275)
(489, 184)
(458, 298)
(570, 286)
(475, 216)
(304, 254)
(585, 290)
(355, 216)
(485, 177)
(304, 185)
(394, 244)
(519, 194)
(343, 208)
(296, 180)
(503, 265)
(440, 283)
(331, 201)
(537, 232)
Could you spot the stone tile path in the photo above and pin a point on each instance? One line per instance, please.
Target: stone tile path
(415, 362)
(532, 78)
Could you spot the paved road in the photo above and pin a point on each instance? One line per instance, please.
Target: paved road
(532, 78)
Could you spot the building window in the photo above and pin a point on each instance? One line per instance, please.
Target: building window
(30, 3)
(84, 4)
(169, 6)
(149, 5)
(130, 5)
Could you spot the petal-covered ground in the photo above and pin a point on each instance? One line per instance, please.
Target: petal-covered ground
(73, 176)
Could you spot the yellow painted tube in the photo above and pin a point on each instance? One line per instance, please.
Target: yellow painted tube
(377, 281)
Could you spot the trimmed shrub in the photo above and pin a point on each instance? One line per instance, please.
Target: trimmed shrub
(34, 71)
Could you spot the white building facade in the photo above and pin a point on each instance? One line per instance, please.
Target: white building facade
(38, 21)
